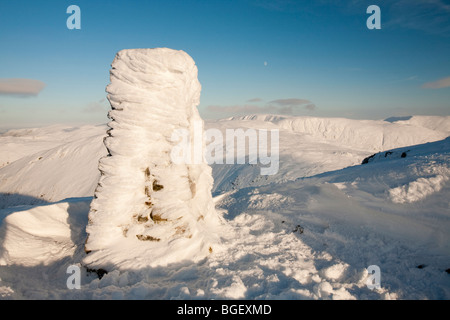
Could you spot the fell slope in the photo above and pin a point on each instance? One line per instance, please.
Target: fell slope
(296, 237)
(311, 238)
(74, 153)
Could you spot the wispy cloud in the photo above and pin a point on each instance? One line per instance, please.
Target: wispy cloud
(413, 78)
(279, 5)
(21, 87)
(292, 106)
(350, 69)
(255, 100)
(96, 107)
(237, 109)
(431, 16)
(439, 84)
(294, 103)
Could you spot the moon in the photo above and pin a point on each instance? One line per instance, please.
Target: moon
(265, 63)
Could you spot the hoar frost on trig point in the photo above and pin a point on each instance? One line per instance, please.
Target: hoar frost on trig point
(148, 210)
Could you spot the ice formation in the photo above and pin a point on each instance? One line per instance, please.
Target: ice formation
(149, 210)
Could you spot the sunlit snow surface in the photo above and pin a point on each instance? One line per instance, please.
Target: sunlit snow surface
(308, 232)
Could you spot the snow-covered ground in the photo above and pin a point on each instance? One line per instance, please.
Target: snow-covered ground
(308, 232)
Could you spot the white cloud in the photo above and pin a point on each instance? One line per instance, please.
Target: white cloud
(21, 87)
(439, 84)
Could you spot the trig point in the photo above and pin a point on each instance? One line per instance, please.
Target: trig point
(148, 210)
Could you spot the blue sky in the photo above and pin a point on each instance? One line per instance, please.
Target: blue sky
(314, 58)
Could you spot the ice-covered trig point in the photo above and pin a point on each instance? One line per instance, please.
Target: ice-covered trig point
(147, 210)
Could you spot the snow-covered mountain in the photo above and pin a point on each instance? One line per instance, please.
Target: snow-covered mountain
(308, 232)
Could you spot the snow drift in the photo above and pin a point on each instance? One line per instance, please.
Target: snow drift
(149, 210)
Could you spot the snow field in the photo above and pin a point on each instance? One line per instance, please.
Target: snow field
(310, 232)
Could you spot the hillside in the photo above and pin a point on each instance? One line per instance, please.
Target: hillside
(308, 232)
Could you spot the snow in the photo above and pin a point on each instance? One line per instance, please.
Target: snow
(54, 230)
(309, 232)
(310, 146)
(59, 154)
(111, 202)
(418, 189)
(149, 210)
